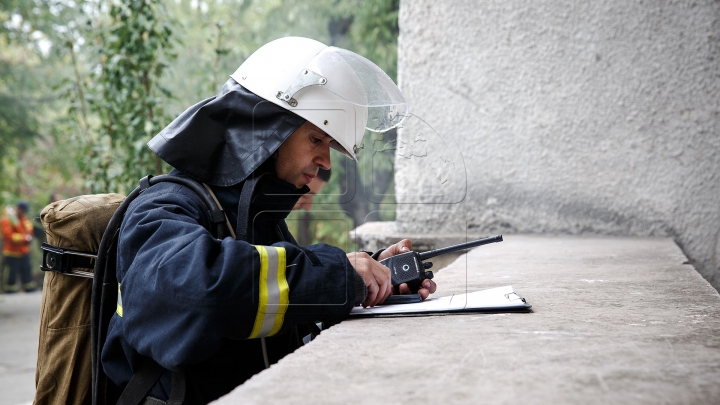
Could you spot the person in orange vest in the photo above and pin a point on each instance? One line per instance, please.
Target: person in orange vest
(17, 233)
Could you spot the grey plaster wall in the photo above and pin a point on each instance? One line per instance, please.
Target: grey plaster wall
(563, 117)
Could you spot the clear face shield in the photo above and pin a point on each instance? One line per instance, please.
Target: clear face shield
(385, 103)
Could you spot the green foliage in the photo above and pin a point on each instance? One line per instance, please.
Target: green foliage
(18, 124)
(34, 161)
(134, 50)
(30, 153)
(374, 33)
(218, 36)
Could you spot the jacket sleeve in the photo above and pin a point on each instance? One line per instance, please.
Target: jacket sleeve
(184, 293)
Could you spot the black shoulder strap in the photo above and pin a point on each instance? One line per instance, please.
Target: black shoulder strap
(244, 206)
(216, 213)
(104, 295)
(141, 382)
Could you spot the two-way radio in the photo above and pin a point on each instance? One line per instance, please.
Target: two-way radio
(409, 267)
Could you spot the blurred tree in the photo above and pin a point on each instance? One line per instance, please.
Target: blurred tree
(35, 157)
(18, 124)
(134, 48)
(28, 108)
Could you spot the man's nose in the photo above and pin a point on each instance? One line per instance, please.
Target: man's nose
(323, 159)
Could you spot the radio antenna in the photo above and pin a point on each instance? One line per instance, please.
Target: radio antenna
(432, 253)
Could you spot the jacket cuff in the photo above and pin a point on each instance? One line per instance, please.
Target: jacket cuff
(360, 289)
(374, 255)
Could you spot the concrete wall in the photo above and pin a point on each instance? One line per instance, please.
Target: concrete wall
(563, 117)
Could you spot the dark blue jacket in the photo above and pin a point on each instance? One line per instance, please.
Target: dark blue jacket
(199, 305)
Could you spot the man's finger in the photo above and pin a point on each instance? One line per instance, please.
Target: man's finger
(403, 246)
(378, 299)
(371, 295)
(430, 285)
(387, 283)
(388, 291)
(382, 276)
(385, 287)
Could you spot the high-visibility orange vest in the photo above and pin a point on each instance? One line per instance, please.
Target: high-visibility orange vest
(15, 229)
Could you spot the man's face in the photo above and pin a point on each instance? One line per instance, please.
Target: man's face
(306, 201)
(302, 154)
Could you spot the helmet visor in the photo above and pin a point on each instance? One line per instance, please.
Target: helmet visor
(369, 87)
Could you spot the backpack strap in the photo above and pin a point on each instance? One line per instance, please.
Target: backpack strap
(177, 389)
(244, 206)
(67, 261)
(227, 221)
(141, 382)
(214, 209)
(104, 292)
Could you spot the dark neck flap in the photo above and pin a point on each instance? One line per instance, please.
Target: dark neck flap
(223, 139)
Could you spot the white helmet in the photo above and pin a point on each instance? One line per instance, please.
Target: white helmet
(339, 91)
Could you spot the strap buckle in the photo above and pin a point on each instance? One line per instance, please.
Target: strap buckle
(66, 261)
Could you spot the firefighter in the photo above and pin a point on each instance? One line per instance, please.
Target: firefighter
(207, 314)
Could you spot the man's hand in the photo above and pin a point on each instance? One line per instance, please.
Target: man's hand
(375, 275)
(404, 246)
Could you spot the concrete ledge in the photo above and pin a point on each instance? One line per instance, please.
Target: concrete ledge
(614, 321)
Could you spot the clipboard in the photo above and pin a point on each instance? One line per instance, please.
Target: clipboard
(500, 299)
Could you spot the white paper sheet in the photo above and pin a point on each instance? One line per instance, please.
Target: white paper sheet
(494, 299)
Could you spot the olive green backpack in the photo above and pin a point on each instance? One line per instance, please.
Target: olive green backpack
(80, 294)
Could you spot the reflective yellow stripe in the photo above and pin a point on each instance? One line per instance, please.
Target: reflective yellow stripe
(119, 303)
(274, 294)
